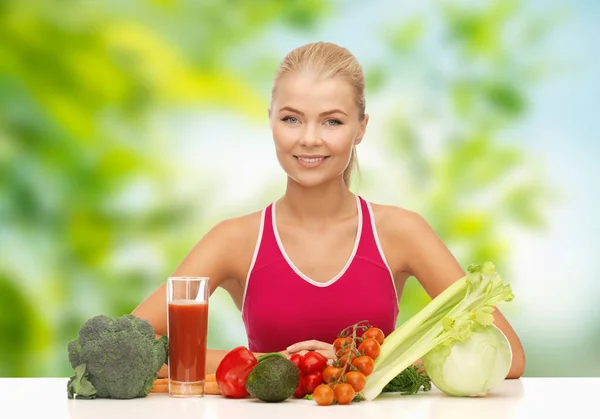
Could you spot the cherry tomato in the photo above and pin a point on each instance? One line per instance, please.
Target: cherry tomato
(313, 362)
(312, 381)
(356, 379)
(344, 393)
(331, 374)
(300, 391)
(297, 359)
(375, 333)
(323, 395)
(340, 344)
(347, 358)
(364, 364)
(370, 347)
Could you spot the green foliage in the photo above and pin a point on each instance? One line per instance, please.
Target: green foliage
(477, 184)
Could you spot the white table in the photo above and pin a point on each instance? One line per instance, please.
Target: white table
(528, 398)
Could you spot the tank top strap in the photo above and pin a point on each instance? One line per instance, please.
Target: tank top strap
(369, 247)
(266, 250)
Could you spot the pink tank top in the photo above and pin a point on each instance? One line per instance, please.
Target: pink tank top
(282, 306)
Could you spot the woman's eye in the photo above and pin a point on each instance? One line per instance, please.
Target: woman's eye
(290, 119)
(333, 122)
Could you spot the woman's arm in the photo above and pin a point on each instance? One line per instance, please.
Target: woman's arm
(428, 259)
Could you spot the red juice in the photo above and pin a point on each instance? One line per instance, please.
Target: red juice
(188, 326)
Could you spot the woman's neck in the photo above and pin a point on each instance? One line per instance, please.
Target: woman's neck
(316, 204)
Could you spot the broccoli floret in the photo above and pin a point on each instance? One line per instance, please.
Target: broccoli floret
(115, 358)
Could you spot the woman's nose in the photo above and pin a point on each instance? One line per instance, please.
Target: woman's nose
(310, 137)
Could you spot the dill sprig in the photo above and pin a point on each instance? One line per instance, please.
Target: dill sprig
(409, 381)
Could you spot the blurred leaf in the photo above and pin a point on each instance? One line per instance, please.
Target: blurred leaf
(24, 332)
(476, 29)
(522, 202)
(505, 99)
(375, 77)
(462, 97)
(405, 35)
(414, 298)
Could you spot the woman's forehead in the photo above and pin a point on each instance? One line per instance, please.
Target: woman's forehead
(307, 90)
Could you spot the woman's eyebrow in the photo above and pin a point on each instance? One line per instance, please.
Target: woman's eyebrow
(332, 111)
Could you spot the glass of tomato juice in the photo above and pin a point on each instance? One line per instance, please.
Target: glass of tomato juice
(187, 330)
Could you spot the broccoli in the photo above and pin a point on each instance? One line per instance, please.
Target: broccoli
(115, 358)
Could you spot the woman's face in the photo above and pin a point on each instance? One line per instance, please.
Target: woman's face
(315, 124)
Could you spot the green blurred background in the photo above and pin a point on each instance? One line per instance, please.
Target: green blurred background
(129, 128)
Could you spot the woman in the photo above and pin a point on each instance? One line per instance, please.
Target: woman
(320, 258)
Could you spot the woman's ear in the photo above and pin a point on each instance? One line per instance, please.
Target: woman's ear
(363, 130)
(269, 116)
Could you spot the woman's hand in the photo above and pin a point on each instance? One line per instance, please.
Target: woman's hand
(325, 349)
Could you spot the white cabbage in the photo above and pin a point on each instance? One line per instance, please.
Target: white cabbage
(471, 367)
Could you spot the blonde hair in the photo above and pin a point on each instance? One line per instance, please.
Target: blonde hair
(327, 60)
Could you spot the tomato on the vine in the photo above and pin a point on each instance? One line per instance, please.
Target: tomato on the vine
(356, 379)
(347, 358)
(374, 333)
(344, 393)
(370, 347)
(340, 344)
(331, 374)
(323, 395)
(364, 364)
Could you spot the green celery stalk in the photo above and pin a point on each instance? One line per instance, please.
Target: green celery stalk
(449, 317)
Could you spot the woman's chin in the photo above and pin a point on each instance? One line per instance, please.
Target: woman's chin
(315, 180)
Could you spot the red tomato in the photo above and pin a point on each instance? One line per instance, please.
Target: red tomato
(340, 344)
(313, 362)
(297, 359)
(345, 360)
(323, 395)
(344, 393)
(312, 381)
(375, 333)
(356, 380)
(331, 374)
(370, 347)
(364, 364)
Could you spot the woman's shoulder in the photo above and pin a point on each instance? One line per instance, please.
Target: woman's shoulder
(239, 227)
(228, 246)
(395, 215)
(397, 222)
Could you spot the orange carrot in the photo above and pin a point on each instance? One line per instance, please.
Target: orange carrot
(212, 387)
(160, 388)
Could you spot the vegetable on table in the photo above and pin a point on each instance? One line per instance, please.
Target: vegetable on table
(453, 316)
(355, 347)
(115, 358)
(274, 379)
(471, 367)
(409, 381)
(324, 395)
(311, 366)
(233, 370)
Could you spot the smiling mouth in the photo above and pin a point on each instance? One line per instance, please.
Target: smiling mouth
(311, 159)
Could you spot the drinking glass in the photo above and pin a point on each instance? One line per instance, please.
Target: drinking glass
(187, 330)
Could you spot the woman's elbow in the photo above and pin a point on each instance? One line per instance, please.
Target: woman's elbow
(517, 367)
